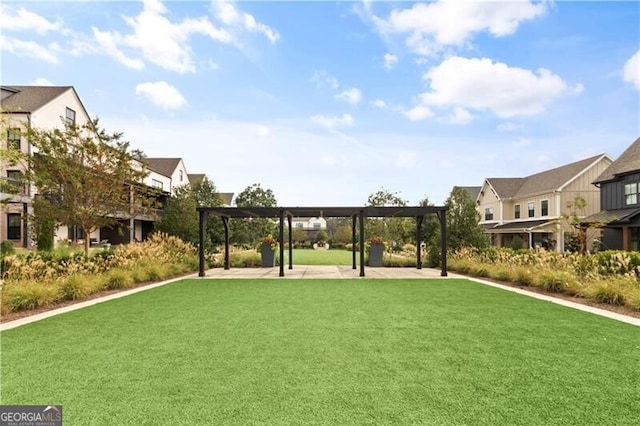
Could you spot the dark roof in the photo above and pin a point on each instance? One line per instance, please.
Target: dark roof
(164, 166)
(30, 98)
(518, 226)
(629, 161)
(546, 181)
(505, 187)
(613, 216)
(195, 179)
(473, 191)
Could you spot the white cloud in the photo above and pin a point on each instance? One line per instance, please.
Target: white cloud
(328, 160)
(379, 103)
(322, 78)
(508, 126)
(162, 94)
(419, 112)
(631, 71)
(406, 159)
(352, 96)
(390, 61)
(41, 81)
(482, 84)
(29, 49)
(459, 116)
(430, 26)
(262, 131)
(331, 122)
(156, 39)
(231, 16)
(521, 143)
(24, 20)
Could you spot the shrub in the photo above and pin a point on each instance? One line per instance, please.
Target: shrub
(118, 278)
(27, 295)
(552, 281)
(524, 277)
(7, 248)
(74, 287)
(606, 292)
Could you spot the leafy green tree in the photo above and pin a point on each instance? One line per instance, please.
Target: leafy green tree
(431, 235)
(249, 231)
(395, 230)
(206, 195)
(463, 219)
(179, 216)
(582, 231)
(87, 177)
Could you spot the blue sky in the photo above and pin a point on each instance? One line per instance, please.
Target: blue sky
(327, 102)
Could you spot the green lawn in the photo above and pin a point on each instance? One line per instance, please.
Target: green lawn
(320, 257)
(244, 352)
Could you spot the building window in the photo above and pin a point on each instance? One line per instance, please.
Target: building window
(156, 184)
(14, 226)
(531, 207)
(631, 193)
(516, 211)
(488, 213)
(70, 116)
(14, 179)
(299, 225)
(14, 138)
(181, 175)
(316, 226)
(544, 207)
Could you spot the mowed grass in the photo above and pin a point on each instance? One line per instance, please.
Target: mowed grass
(338, 257)
(243, 352)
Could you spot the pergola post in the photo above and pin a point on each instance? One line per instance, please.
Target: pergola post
(202, 221)
(281, 241)
(419, 220)
(225, 224)
(362, 243)
(442, 215)
(353, 240)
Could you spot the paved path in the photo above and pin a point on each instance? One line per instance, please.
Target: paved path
(321, 272)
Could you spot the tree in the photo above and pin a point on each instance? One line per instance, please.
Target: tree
(87, 177)
(463, 219)
(249, 231)
(583, 231)
(431, 235)
(179, 216)
(396, 230)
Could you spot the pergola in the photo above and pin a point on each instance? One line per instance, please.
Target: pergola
(357, 214)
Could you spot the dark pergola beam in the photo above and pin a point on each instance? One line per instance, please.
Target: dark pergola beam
(281, 241)
(225, 224)
(201, 222)
(361, 219)
(442, 215)
(353, 240)
(290, 242)
(419, 220)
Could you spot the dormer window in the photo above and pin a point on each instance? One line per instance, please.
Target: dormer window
(631, 193)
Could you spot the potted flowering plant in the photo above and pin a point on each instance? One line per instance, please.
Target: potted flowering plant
(376, 249)
(267, 248)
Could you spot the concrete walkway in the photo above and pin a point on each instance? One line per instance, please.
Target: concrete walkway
(322, 272)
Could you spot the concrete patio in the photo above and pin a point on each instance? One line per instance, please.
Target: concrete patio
(323, 272)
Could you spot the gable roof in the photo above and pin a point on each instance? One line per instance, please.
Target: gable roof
(505, 187)
(629, 161)
(473, 191)
(547, 181)
(195, 178)
(30, 98)
(164, 166)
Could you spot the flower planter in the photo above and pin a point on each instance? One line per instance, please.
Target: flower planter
(268, 256)
(375, 255)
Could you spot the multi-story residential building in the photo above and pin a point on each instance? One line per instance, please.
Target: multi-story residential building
(532, 207)
(48, 107)
(620, 201)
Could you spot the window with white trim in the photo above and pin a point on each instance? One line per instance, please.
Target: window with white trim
(531, 209)
(156, 183)
(14, 226)
(544, 208)
(516, 211)
(488, 213)
(14, 139)
(70, 116)
(631, 193)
